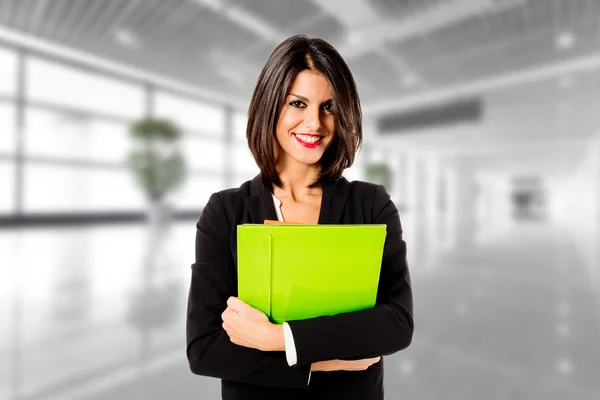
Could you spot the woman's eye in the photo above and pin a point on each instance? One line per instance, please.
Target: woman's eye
(328, 107)
(296, 103)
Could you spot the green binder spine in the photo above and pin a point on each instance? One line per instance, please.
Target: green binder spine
(270, 274)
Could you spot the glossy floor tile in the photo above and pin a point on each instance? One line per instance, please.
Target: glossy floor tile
(516, 316)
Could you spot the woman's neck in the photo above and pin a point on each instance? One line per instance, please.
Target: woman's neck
(296, 180)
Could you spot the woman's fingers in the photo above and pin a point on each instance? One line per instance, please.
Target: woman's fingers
(239, 306)
(236, 304)
(244, 309)
(373, 360)
(226, 314)
(344, 365)
(360, 365)
(233, 335)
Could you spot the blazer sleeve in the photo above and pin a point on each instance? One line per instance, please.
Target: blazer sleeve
(210, 351)
(378, 331)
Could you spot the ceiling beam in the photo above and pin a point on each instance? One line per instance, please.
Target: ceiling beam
(244, 19)
(529, 75)
(368, 29)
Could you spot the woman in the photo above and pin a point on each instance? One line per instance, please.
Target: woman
(304, 128)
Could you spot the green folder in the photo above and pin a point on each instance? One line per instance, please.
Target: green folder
(293, 272)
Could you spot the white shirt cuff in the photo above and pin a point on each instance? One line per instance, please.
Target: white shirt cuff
(290, 346)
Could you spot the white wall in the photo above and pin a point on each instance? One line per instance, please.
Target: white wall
(493, 205)
(575, 206)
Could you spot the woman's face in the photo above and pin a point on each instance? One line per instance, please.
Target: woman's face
(306, 125)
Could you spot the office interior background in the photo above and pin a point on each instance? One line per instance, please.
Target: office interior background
(480, 117)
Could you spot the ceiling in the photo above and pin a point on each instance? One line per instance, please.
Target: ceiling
(526, 58)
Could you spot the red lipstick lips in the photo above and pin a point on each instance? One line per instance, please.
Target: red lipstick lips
(310, 145)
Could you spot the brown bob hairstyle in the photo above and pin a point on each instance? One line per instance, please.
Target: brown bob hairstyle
(293, 55)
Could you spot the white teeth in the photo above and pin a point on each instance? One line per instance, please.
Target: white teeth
(309, 139)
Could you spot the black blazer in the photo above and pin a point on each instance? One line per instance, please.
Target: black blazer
(254, 374)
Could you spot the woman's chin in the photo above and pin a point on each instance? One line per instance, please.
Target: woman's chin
(303, 156)
(308, 159)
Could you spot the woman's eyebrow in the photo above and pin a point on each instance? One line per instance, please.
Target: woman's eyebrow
(307, 100)
(300, 97)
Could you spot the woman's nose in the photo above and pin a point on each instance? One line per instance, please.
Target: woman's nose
(312, 119)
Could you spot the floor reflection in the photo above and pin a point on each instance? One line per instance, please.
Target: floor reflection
(516, 317)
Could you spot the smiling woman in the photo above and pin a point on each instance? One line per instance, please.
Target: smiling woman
(304, 129)
(305, 89)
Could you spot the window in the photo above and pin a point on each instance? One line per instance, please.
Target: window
(54, 83)
(239, 128)
(243, 162)
(355, 172)
(75, 136)
(8, 72)
(203, 154)
(80, 127)
(241, 178)
(196, 191)
(51, 188)
(7, 128)
(7, 183)
(191, 115)
(110, 141)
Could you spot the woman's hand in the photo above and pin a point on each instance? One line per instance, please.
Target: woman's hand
(344, 365)
(249, 327)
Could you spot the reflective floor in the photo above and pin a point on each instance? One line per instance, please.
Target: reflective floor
(517, 317)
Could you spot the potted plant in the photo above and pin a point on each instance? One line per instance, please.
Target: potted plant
(379, 173)
(155, 160)
(158, 168)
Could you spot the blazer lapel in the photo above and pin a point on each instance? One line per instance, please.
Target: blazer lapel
(260, 203)
(334, 199)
